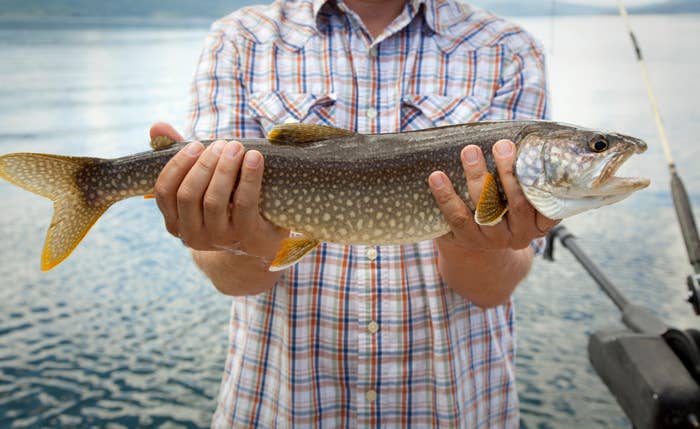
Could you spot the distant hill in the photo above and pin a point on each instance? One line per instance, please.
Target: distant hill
(671, 6)
(216, 8)
(562, 7)
(124, 8)
(539, 7)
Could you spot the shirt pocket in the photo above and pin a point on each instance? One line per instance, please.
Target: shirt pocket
(420, 111)
(277, 107)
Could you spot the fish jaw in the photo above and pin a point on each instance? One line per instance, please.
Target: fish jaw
(562, 175)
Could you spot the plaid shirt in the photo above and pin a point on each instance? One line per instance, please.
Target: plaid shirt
(362, 336)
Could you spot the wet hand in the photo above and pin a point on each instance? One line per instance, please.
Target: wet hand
(201, 205)
(521, 224)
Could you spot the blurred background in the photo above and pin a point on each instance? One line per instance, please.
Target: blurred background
(128, 333)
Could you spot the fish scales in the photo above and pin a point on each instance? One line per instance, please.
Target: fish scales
(371, 189)
(334, 185)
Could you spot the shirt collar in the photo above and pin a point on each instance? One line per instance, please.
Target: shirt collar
(430, 9)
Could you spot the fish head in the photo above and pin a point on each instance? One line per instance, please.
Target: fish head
(565, 170)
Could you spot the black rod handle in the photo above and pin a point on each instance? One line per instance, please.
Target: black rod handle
(686, 220)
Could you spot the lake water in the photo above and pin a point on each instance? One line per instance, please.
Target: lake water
(128, 333)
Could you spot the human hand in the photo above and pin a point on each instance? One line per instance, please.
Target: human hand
(195, 193)
(521, 224)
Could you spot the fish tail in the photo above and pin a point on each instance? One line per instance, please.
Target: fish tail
(56, 178)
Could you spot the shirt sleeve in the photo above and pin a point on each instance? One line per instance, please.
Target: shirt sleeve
(522, 91)
(522, 94)
(218, 97)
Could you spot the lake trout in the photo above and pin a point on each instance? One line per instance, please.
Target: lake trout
(338, 186)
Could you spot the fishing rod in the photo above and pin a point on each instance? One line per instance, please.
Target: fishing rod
(681, 202)
(652, 369)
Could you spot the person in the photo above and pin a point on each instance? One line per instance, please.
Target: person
(358, 336)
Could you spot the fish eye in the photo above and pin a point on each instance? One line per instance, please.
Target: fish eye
(598, 145)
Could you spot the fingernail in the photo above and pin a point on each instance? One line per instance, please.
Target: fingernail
(194, 148)
(504, 148)
(217, 147)
(252, 159)
(437, 180)
(471, 155)
(232, 149)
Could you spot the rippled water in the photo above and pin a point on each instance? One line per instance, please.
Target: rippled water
(128, 332)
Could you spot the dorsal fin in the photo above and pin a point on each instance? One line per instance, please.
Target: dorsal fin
(299, 134)
(162, 142)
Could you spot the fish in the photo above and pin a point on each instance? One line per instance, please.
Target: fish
(334, 185)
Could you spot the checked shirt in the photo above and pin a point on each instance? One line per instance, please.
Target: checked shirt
(363, 336)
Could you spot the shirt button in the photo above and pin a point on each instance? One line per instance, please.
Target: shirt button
(290, 121)
(373, 51)
(371, 395)
(371, 113)
(373, 327)
(371, 254)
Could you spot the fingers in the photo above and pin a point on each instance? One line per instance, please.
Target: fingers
(524, 221)
(544, 224)
(247, 197)
(169, 181)
(456, 213)
(474, 166)
(475, 169)
(191, 193)
(163, 129)
(218, 194)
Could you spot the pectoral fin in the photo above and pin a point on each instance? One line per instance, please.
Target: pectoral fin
(491, 207)
(300, 134)
(292, 250)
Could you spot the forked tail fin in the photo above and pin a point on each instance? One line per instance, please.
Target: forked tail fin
(55, 177)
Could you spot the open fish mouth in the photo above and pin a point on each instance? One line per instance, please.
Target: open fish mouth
(607, 184)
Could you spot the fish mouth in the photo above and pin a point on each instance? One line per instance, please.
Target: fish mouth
(607, 184)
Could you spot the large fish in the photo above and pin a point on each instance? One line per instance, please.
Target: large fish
(338, 186)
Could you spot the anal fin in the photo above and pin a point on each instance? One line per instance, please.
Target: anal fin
(491, 206)
(292, 250)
